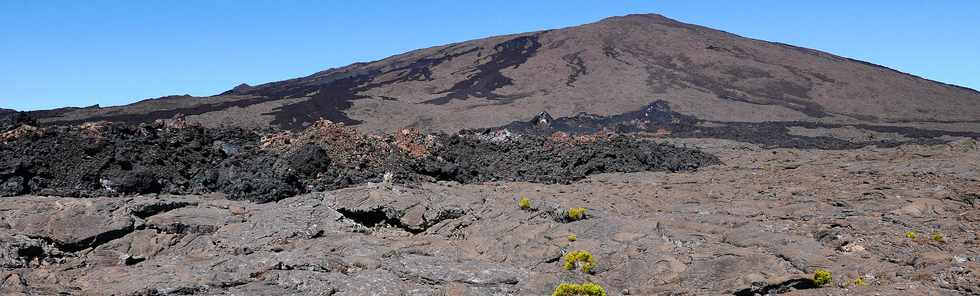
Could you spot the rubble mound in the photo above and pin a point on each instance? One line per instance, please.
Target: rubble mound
(113, 159)
(468, 158)
(175, 157)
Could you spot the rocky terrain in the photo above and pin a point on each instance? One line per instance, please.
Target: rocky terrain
(176, 157)
(761, 223)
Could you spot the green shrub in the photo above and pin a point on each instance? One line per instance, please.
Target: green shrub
(859, 281)
(822, 277)
(970, 199)
(911, 234)
(579, 256)
(575, 214)
(938, 237)
(572, 237)
(524, 203)
(586, 289)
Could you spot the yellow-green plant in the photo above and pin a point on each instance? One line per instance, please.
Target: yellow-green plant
(575, 214)
(911, 234)
(938, 237)
(524, 203)
(572, 237)
(822, 277)
(859, 281)
(586, 289)
(579, 256)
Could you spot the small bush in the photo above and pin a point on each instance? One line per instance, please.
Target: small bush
(575, 214)
(579, 256)
(587, 289)
(859, 282)
(524, 203)
(938, 237)
(970, 199)
(911, 234)
(572, 237)
(822, 277)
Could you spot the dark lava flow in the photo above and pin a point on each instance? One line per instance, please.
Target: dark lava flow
(658, 118)
(120, 159)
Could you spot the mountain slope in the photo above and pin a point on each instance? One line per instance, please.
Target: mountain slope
(615, 66)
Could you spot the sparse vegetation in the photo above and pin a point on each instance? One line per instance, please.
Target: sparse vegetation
(524, 203)
(572, 237)
(911, 234)
(822, 277)
(859, 282)
(575, 214)
(583, 257)
(938, 237)
(970, 199)
(586, 289)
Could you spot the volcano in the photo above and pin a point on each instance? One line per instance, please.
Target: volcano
(614, 66)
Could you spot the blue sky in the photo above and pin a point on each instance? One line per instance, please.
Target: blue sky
(80, 53)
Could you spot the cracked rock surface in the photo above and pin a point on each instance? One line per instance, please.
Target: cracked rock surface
(759, 224)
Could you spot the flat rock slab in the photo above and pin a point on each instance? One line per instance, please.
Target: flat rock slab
(443, 270)
(72, 223)
(192, 220)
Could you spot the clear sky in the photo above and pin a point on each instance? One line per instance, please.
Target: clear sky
(80, 53)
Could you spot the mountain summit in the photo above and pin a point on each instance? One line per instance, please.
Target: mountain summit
(614, 66)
